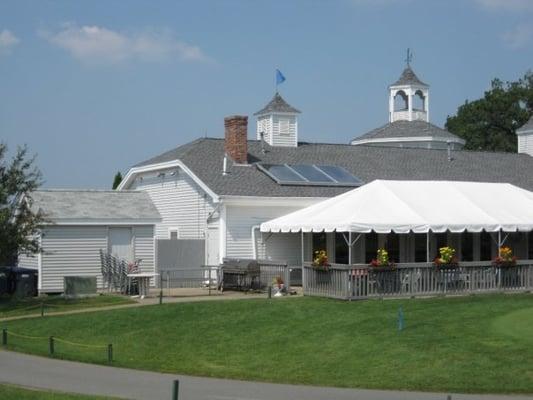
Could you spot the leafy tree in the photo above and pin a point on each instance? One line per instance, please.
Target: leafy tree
(18, 223)
(490, 123)
(117, 180)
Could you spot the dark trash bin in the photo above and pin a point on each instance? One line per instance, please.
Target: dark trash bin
(20, 282)
(4, 282)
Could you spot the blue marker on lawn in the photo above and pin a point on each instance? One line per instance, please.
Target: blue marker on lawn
(400, 319)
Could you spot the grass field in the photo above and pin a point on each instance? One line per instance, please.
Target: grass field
(8, 392)
(12, 308)
(468, 344)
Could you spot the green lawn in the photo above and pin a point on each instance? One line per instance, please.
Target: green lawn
(468, 344)
(12, 307)
(8, 392)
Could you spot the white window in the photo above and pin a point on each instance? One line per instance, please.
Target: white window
(284, 126)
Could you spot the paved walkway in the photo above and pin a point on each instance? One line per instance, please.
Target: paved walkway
(148, 301)
(67, 376)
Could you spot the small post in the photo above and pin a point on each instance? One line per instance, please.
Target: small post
(400, 319)
(270, 292)
(160, 289)
(4, 337)
(449, 397)
(110, 353)
(42, 308)
(51, 346)
(175, 389)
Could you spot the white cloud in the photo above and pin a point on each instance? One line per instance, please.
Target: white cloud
(519, 37)
(508, 5)
(7, 41)
(97, 45)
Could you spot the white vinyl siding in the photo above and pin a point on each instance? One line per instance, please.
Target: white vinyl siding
(144, 247)
(28, 261)
(284, 128)
(75, 251)
(71, 251)
(264, 124)
(180, 201)
(239, 223)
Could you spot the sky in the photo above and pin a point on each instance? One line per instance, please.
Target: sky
(95, 87)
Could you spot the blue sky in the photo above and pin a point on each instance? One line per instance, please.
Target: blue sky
(94, 87)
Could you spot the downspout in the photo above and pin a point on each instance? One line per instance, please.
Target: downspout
(254, 247)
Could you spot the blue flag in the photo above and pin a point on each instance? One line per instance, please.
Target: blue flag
(279, 77)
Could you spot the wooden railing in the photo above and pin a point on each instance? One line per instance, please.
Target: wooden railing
(361, 281)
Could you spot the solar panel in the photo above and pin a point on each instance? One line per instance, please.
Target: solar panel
(282, 173)
(311, 173)
(340, 174)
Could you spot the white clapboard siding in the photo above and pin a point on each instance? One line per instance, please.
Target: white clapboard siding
(71, 251)
(525, 144)
(239, 223)
(181, 203)
(144, 247)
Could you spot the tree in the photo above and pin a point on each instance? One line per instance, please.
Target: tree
(117, 180)
(18, 223)
(490, 123)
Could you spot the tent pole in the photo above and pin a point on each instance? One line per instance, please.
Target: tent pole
(499, 242)
(350, 248)
(427, 246)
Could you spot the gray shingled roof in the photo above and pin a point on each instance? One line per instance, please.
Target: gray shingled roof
(277, 104)
(205, 157)
(64, 205)
(527, 127)
(401, 129)
(408, 77)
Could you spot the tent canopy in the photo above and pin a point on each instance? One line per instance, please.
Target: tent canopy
(415, 206)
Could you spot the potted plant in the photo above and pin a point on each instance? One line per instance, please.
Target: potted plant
(447, 258)
(321, 265)
(278, 286)
(505, 258)
(382, 261)
(505, 262)
(320, 262)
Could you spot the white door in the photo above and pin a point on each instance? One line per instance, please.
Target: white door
(212, 246)
(120, 243)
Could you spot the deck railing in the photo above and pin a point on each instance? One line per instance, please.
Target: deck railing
(361, 281)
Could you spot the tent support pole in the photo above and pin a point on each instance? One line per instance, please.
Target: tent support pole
(427, 246)
(499, 242)
(350, 248)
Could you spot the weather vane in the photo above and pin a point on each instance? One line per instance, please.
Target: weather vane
(409, 57)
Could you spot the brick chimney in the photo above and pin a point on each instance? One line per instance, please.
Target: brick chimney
(236, 138)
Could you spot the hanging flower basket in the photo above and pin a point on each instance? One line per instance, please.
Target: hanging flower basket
(505, 259)
(447, 259)
(382, 262)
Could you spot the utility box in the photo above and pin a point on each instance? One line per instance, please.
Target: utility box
(80, 286)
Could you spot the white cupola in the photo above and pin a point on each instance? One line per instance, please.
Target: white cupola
(277, 123)
(408, 98)
(525, 137)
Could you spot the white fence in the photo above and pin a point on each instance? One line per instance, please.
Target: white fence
(415, 279)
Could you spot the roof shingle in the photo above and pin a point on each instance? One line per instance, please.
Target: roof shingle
(204, 158)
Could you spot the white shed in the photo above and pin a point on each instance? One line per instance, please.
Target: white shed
(84, 221)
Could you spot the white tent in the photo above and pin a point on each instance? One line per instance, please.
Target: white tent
(415, 206)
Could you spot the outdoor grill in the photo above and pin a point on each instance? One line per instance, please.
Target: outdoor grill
(240, 274)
